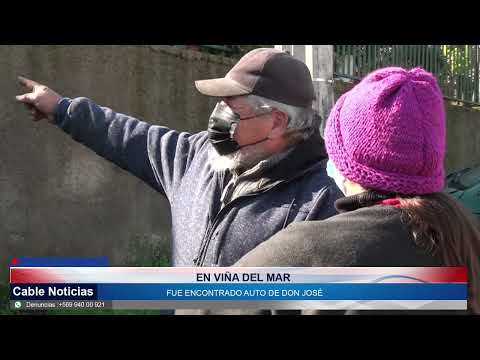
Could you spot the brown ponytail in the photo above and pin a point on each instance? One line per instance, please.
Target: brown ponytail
(447, 230)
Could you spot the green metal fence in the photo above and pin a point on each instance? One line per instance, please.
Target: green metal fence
(455, 66)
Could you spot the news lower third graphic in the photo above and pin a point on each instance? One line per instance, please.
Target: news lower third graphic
(89, 283)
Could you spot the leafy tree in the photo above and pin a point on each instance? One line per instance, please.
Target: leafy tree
(453, 65)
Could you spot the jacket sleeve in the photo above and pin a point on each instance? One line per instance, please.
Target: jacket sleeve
(285, 249)
(155, 154)
(373, 236)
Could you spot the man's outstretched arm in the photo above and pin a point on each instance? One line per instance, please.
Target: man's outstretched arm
(155, 154)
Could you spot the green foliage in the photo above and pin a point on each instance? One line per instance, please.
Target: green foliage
(4, 300)
(455, 66)
(147, 252)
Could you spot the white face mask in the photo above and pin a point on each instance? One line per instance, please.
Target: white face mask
(336, 176)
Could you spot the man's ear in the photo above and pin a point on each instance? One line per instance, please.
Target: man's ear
(279, 125)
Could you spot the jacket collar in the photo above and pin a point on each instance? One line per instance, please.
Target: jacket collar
(365, 199)
(298, 160)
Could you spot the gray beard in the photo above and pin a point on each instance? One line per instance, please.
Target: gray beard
(242, 159)
(245, 159)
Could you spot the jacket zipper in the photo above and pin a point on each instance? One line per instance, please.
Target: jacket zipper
(200, 258)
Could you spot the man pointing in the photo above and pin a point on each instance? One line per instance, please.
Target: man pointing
(258, 167)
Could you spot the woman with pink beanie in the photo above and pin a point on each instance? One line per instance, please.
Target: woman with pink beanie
(386, 143)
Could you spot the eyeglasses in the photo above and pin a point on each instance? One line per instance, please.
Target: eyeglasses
(226, 113)
(260, 111)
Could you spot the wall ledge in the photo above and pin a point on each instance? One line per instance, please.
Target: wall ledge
(192, 54)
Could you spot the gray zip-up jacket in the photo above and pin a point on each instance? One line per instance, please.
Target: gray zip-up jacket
(176, 164)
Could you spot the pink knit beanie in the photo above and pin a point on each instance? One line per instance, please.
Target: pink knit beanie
(388, 132)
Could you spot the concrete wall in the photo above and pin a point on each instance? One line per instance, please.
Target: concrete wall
(463, 137)
(463, 133)
(59, 198)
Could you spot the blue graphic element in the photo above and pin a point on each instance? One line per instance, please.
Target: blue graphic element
(304, 291)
